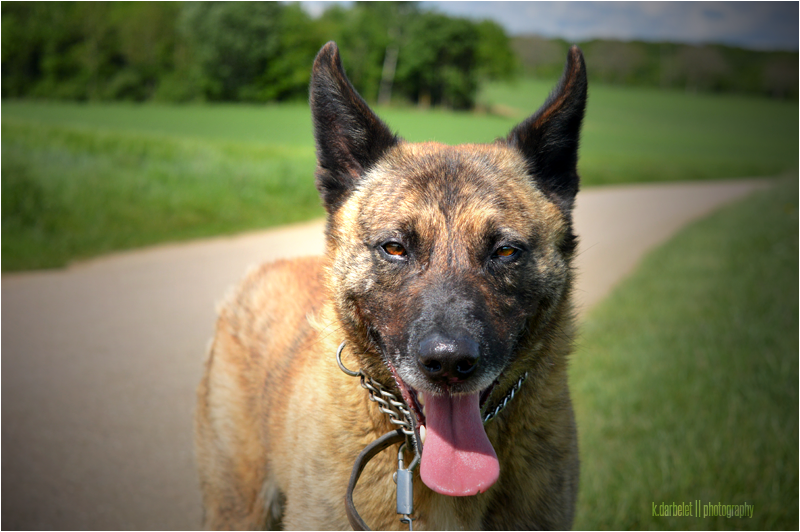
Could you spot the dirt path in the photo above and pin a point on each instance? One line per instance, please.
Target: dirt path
(100, 361)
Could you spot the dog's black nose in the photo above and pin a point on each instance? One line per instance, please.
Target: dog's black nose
(447, 359)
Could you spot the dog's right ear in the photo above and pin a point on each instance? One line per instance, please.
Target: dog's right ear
(350, 137)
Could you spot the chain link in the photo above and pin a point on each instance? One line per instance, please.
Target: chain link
(509, 396)
(396, 409)
(388, 404)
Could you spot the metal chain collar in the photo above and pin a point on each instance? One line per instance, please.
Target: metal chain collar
(396, 409)
(387, 401)
(400, 415)
(507, 399)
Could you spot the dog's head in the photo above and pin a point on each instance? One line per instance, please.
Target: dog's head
(449, 265)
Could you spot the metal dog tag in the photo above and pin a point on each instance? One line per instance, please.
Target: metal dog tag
(405, 492)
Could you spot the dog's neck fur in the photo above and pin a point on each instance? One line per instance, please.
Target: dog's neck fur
(539, 403)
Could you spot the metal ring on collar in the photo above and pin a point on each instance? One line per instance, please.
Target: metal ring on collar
(341, 365)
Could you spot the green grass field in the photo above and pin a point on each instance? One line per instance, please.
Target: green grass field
(685, 378)
(651, 135)
(76, 191)
(84, 179)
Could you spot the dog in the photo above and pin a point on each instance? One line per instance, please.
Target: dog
(447, 279)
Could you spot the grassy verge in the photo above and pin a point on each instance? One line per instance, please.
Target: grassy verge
(685, 383)
(81, 180)
(74, 192)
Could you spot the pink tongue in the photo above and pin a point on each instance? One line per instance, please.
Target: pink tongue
(457, 458)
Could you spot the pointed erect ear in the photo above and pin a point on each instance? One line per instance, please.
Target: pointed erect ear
(549, 138)
(350, 137)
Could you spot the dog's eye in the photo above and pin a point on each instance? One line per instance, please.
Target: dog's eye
(394, 249)
(505, 251)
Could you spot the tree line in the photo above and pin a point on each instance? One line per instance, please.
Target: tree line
(262, 51)
(694, 68)
(243, 51)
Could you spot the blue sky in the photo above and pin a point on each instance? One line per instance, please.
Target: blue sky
(756, 25)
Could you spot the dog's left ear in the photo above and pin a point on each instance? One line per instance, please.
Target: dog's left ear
(350, 137)
(548, 139)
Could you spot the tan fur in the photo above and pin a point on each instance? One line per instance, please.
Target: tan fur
(276, 415)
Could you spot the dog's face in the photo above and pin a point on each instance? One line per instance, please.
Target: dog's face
(446, 261)
(443, 256)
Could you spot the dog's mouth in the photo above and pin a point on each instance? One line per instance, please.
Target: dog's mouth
(416, 400)
(457, 457)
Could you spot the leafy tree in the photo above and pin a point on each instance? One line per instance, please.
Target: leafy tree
(42, 50)
(86, 50)
(495, 57)
(438, 64)
(242, 51)
(145, 41)
(365, 34)
(251, 51)
(24, 41)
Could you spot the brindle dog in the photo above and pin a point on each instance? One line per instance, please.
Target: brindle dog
(448, 274)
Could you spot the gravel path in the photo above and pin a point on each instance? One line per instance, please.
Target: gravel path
(100, 360)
